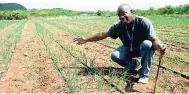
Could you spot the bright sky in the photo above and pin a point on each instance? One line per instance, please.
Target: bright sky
(94, 5)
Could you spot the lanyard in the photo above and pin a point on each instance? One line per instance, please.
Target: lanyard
(131, 36)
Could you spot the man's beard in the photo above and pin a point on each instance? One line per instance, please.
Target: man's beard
(126, 21)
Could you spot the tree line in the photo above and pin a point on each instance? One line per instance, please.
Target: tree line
(23, 13)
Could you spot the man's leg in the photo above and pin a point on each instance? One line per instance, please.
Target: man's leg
(147, 53)
(123, 57)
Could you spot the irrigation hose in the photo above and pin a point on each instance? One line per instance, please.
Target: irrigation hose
(93, 70)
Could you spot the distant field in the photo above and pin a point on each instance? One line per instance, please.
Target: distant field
(45, 59)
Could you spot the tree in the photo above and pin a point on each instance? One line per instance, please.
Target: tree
(100, 13)
(185, 9)
(152, 11)
(169, 9)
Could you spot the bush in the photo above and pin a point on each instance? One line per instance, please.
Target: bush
(13, 15)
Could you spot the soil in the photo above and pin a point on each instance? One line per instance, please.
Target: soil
(32, 68)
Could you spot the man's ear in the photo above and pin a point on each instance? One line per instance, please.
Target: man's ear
(132, 11)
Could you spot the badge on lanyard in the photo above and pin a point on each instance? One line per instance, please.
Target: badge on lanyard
(131, 37)
(131, 48)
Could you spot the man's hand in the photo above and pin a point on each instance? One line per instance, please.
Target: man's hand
(163, 49)
(95, 37)
(158, 45)
(80, 40)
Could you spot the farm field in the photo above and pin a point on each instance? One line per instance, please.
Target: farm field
(39, 56)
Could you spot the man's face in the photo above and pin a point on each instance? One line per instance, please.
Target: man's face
(125, 15)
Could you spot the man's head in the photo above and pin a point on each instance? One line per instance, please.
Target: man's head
(125, 13)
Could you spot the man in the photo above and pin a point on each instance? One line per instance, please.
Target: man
(139, 40)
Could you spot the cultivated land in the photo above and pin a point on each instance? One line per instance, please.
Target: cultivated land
(39, 56)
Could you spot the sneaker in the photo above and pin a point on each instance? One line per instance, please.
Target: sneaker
(143, 80)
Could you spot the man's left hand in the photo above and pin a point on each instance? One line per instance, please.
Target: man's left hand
(163, 49)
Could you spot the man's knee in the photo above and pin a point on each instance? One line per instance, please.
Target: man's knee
(118, 59)
(146, 45)
(115, 56)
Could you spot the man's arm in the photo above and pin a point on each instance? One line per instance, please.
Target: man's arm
(155, 40)
(96, 37)
(158, 45)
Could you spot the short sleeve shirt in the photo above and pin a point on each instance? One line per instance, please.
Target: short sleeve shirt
(142, 30)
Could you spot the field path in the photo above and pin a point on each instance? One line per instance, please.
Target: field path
(3, 39)
(31, 69)
(7, 30)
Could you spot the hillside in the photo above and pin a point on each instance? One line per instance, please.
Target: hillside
(11, 6)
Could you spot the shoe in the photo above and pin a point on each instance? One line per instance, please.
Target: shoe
(143, 80)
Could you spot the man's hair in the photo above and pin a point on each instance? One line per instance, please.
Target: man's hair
(124, 5)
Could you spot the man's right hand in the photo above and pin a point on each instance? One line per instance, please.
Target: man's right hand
(80, 40)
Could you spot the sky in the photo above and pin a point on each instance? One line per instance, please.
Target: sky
(94, 5)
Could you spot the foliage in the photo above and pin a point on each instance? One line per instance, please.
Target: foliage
(13, 15)
(55, 12)
(167, 10)
(100, 13)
